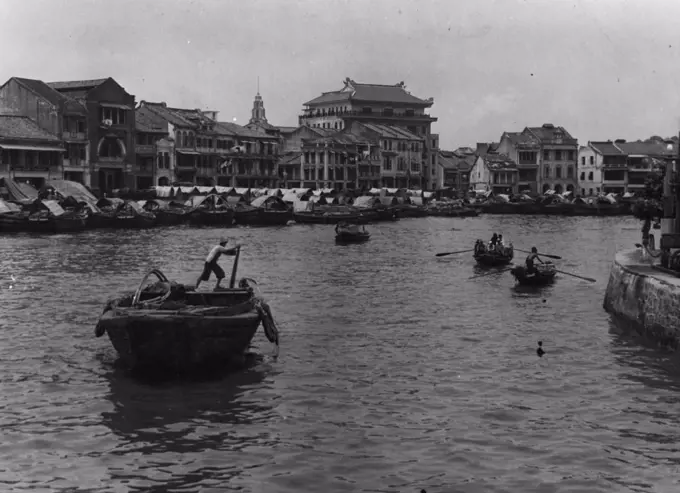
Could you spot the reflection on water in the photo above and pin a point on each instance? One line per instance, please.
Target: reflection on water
(396, 372)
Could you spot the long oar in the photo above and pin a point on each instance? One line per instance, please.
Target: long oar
(453, 253)
(589, 279)
(556, 257)
(490, 273)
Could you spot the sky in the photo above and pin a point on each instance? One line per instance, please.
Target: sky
(603, 69)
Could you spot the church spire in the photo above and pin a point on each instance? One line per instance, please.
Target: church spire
(258, 114)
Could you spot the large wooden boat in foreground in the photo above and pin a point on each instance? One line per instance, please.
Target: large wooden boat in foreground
(545, 274)
(170, 328)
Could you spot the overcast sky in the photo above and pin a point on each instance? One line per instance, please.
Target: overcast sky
(603, 69)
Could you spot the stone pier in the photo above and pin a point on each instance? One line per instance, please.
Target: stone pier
(645, 298)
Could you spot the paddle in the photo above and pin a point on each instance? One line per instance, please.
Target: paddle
(453, 253)
(492, 272)
(589, 279)
(556, 257)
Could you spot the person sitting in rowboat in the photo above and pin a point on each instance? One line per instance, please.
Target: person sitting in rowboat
(531, 258)
(211, 264)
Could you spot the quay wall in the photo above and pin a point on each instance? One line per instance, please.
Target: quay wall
(645, 299)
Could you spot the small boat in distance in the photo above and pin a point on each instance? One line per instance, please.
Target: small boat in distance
(493, 256)
(346, 232)
(545, 274)
(170, 328)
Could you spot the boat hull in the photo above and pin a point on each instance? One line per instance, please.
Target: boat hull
(264, 217)
(347, 237)
(152, 343)
(540, 278)
(324, 218)
(133, 222)
(13, 222)
(212, 218)
(166, 218)
(491, 260)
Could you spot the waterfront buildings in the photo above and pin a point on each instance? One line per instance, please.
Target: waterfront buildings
(28, 152)
(454, 168)
(59, 117)
(590, 171)
(494, 172)
(384, 105)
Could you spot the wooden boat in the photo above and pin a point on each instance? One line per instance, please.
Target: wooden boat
(47, 216)
(270, 210)
(210, 210)
(12, 217)
(351, 233)
(502, 255)
(167, 212)
(331, 214)
(131, 215)
(545, 274)
(171, 328)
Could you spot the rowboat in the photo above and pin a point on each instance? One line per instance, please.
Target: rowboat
(172, 328)
(350, 233)
(498, 256)
(545, 274)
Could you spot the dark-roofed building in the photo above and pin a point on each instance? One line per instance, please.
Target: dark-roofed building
(154, 151)
(494, 172)
(644, 157)
(455, 168)
(28, 152)
(611, 162)
(525, 150)
(362, 156)
(390, 105)
(557, 157)
(209, 152)
(55, 113)
(110, 130)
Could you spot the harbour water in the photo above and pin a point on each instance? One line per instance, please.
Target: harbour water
(395, 371)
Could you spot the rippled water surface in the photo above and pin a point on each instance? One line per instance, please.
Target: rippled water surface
(395, 371)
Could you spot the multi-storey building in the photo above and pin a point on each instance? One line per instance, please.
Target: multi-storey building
(493, 172)
(558, 158)
(524, 149)
(390, 105)
(455, 168)
(110, 130)
(154, 150)
(590, 171)
(641, 159)
(209, 152)
(611, 161)
(58, 115)
(363, 155)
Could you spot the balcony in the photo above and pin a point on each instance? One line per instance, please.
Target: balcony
(145, 149)
(76, 163)
(387, 115)
(74, 136)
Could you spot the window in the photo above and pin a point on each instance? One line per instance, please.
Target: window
(583, 161)
(546, 155)
(415, 166)
(558, 171)
(598, 189)
(110, 148)
(583, 174)
(590, 191)
(546, 172)
(590, 176)
(116, 115)
(558, 155)
(570, 171)
(583, 191)
(409, 112)
(401, 164)
(592, 160)
(570, 155)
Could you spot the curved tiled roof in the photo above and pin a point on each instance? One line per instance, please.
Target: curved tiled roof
(377, 93)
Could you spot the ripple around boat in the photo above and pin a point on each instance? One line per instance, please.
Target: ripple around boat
(171, 327)
(545, 274)
(493, 258)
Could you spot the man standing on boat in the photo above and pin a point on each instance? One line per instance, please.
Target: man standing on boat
(211, 264)
(531, 258)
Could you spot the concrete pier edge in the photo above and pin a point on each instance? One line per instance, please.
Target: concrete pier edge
(645, 299)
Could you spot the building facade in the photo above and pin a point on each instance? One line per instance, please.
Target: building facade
(110, 130)
(612, 162)
(209, 152)
(495, 173)
(390, 105)
(29, 153)
(557, 157)
(525, 150)
(154, 151)
(590, 171)
(56, 114)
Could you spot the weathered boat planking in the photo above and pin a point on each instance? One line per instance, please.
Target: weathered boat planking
(170, 328)
(545, 274)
